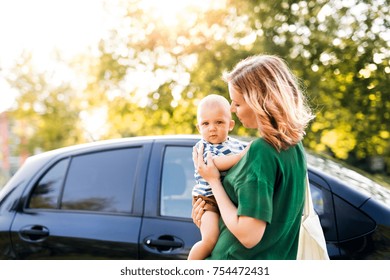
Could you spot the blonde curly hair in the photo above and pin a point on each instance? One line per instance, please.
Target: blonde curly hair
(272, 91)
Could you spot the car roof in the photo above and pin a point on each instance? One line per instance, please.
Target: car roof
(349, 177)
(111, 143)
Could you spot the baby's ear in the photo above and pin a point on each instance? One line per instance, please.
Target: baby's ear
(231, 125)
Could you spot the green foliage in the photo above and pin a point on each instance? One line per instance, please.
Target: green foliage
(45, 117)
(337, 48)
(340, 52)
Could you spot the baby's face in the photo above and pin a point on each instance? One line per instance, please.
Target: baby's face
(214, 123)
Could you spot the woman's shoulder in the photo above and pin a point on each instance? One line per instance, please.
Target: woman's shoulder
(260, 149)
(261, 144)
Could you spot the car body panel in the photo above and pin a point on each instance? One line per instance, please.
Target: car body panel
(66, 235)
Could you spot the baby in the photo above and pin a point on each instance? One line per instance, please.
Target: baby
(214, 121)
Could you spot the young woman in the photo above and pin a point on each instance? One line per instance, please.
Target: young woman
(261, 198)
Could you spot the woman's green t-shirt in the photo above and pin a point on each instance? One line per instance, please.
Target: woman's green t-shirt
(267, 185)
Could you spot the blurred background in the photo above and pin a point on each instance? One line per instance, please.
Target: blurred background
(75, 71)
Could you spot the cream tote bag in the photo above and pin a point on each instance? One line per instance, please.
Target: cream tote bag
(312, 245)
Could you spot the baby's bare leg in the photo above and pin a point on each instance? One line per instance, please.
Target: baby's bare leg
(210, 231)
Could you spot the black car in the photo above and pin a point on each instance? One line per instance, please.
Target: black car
(131, 199)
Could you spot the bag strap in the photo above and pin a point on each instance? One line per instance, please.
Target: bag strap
(308, 208)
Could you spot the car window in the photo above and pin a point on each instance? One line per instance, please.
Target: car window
(102, 181)
(318, 200)
(323, 205)
(351, 222)
(176, 182)
(47, 190)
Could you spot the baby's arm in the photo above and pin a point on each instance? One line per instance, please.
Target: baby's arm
(224, 163)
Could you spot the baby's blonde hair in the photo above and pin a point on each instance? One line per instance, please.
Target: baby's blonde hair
(215, 100)
(272, 92)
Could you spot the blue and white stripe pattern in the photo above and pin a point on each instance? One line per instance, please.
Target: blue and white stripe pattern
(230, 146)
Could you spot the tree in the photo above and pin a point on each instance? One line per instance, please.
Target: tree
(340, 52)
(316, 38)
(46, 115)
(149, 74)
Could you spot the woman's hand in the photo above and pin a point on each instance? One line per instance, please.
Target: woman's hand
(208, 171)
(197, 211)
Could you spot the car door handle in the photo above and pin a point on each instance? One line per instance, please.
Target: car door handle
(34, 233)
(164, 243)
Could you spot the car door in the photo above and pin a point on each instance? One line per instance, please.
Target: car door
(346, 228)
(85, 206)
(167, 230)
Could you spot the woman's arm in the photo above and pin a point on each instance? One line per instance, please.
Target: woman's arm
(249, 231)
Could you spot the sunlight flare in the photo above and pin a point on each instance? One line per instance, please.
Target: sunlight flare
(174, 12)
